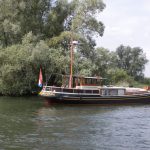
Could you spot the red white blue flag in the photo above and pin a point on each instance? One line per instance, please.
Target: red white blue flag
(40, 84)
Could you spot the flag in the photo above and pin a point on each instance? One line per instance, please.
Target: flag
(40, 84)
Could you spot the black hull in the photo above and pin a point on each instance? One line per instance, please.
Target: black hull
(63, 99)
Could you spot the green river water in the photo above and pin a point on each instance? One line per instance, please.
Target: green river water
(27, 123)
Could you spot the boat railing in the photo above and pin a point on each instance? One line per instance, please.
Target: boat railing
(69, 90)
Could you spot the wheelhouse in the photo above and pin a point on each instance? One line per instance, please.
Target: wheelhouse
(82, 82)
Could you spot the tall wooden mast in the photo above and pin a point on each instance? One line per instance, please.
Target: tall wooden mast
(71, 62)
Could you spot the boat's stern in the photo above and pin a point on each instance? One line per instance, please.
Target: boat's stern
(47, 92)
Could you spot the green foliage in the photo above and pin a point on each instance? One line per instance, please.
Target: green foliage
(9, 25)
(56, 19)
(102, 61)
(119, 77)
(44, 18)
(20, 65)
(83, 17)
(146, 81)
(37, 33)
(63, 40)
(132, 60)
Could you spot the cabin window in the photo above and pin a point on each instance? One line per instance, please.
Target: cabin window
(112, 92)
(98, 82)
(95, 91)
(82, 81)
(88, 81)
(104, 92)
(121, 92)
(77, 82)
(94, 81)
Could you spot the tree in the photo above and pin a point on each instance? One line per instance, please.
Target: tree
(83, 19)
(20, 65)
(44, 18)
(132, 60)
(118, 76)
(37, 33)
(33, 16)
(81, 24)
(9, 25)
(55, 23)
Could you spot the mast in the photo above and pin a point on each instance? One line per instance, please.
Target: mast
(71, 63)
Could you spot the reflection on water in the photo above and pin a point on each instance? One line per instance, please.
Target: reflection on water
(26, 123)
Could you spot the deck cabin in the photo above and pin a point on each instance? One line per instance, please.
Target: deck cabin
(80, 82)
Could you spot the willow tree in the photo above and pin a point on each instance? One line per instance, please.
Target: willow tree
(37, 33)
(81, 25)
(83, 18)
(84, 23)
(9, 25)
(20, 64)
(44, 18)
(132, 60)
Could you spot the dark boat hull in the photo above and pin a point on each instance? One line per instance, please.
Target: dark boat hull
(86, 99)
